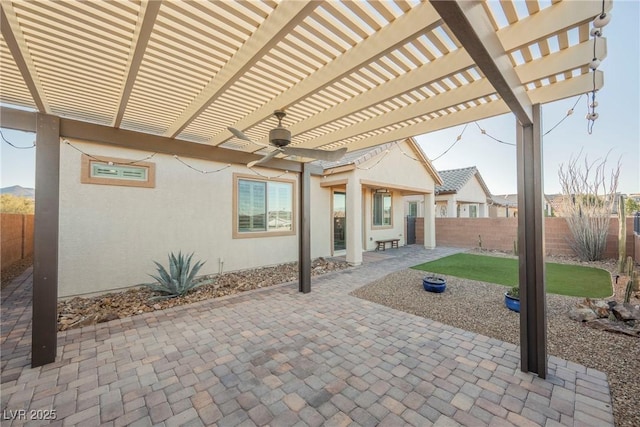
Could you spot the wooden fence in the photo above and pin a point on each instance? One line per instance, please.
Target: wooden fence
(17, 238)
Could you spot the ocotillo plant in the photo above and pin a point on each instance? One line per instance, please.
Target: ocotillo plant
(622, 234)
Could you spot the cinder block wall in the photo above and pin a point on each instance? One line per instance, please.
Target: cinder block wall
(17, 237)
(500, 234)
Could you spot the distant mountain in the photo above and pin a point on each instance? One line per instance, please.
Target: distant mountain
(19, 191)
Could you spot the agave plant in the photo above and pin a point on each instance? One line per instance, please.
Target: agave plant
(179, 280)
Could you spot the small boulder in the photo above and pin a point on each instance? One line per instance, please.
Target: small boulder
(626, 311)
(106, 317)
(581, 314)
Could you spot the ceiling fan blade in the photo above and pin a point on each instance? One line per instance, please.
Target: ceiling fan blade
(331, 156)
(239, 134)
(265, 159)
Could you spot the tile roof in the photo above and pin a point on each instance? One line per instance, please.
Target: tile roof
(454, 179)
(355, 157)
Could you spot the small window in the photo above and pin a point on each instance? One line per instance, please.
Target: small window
(473, 211)
(115, 171)
(104, 170)
(263, 208)
(413, 209)
(381, 209)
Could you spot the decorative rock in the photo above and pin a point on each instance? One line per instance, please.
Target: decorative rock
(106, 317)
(601, 308)
(618, 327)
(582, 314)
(626, 311)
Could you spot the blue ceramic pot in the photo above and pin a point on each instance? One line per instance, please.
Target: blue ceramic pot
(434, 284)
(512, 303)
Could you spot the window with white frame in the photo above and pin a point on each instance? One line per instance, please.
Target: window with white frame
(413, 209)
(263, 207)
(381, 209)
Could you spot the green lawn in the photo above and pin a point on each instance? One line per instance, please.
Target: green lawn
(563, 279)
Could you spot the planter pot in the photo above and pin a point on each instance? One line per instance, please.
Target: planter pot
(434, 284)
(512, 303)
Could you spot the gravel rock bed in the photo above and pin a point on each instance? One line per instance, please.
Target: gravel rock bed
(14, 270)
(82, 311)
(479, 307)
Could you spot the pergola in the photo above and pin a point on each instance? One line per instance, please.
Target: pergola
(171, 76)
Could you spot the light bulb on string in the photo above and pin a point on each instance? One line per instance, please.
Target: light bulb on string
(602, 20)
(594, 64)
(596, 32)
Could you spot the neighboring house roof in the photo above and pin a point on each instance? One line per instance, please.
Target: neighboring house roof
(454, 179)
(555, 200)
(509, 200)
(354, 158)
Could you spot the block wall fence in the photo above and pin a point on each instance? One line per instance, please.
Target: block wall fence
(500, 234)
(17, 238)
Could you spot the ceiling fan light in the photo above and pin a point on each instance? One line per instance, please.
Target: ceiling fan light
(280, 137)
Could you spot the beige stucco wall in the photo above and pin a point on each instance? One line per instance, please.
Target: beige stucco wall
(472, 192)
(419, 200)
(397, 172)
(109, 235)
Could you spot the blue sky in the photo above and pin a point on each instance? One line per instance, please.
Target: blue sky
(616, 132)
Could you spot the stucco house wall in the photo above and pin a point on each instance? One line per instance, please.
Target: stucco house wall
(110, 234)
(391, 170)
(458, 204)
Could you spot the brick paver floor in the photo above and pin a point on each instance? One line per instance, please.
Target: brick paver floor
(281, 358)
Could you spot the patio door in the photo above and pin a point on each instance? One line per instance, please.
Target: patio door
(339, 221)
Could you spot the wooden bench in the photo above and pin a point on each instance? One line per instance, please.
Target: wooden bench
(382, 244)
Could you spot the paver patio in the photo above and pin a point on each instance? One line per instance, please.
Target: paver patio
(278, 357)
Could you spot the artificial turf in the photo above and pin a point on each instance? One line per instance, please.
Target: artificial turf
(562, 279)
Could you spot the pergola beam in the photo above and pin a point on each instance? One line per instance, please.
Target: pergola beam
(557, 63)
(549, 22)
(480, 112)
(73, 129)
(466, 93)
(142, 33)
(18, 46)
(409, 26)
(468, 21)
(432, 71)
(560, 90)
(284, 18)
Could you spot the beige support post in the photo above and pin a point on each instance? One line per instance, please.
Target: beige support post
(429, 221)
(354, 221)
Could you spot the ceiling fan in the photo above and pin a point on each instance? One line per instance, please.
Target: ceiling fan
(280, 138)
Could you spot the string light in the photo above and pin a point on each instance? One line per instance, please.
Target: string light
(109, 162)
(569, 112)
(16, 146)
(227, 166)
(407, 155)
(384, 154)
(599, 23)
(484, 132)
(266, 176)
(458, 138)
